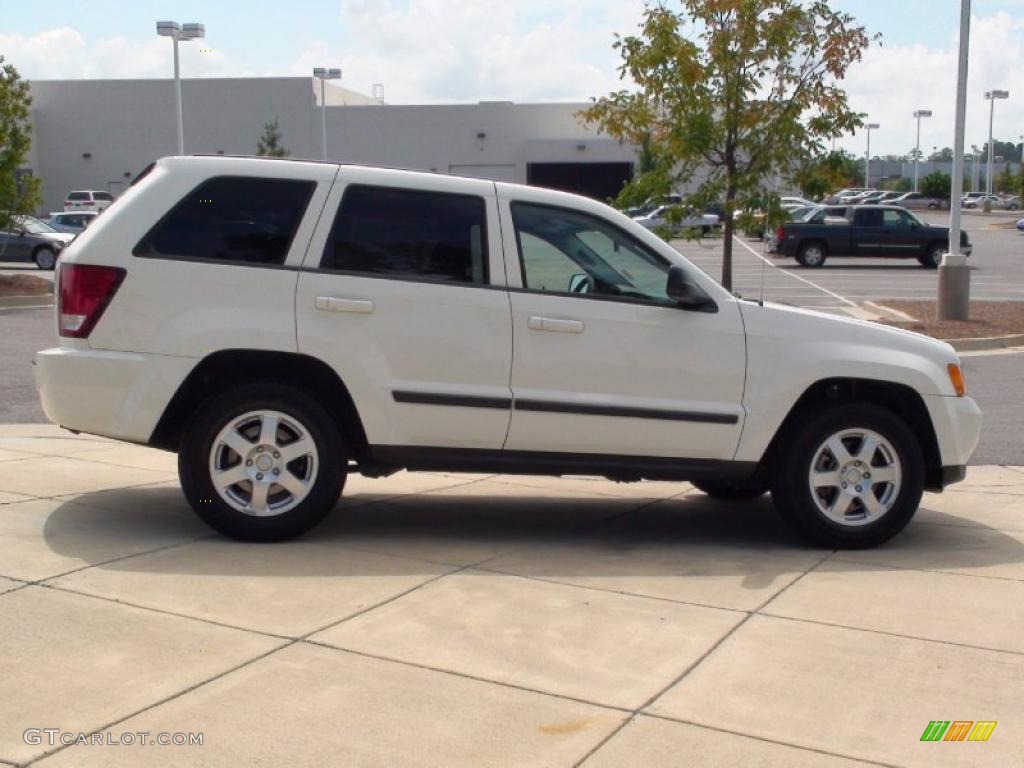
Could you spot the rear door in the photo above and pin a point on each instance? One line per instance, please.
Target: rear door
(868, 234)
(402, 293)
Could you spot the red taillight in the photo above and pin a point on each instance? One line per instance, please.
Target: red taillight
(85, 291)
(779, 235)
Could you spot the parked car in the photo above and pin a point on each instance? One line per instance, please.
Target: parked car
(658, 218)
(1011, 203)
(795, 202)
(915, 201)
(281, 323)
(835, 199)
(71, 222)
(88, 200)
(980, 200)
(879, 197)
(854, 198)
(26, 238)
(870, 230)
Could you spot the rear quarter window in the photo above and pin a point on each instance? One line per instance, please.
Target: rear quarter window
(231, 219)
(78, 196)
(105, 196)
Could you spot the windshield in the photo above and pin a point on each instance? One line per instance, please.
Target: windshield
(32, 225)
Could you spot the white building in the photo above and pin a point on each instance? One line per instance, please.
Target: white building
(98, 134)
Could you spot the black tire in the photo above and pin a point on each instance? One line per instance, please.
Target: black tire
(744, 490)
(45, 258)
(196, 450)
(791, 491)
(932, 206)
(812, 254)
(933, 258)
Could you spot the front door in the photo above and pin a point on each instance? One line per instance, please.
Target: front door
(604, 362)
(397, 296)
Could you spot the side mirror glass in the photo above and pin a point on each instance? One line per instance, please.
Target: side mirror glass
(580, 283)
(687, 293)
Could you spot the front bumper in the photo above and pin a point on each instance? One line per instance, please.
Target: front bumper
(957, 422)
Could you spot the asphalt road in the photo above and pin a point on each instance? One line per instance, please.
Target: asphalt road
(997, 269)
(994, 380)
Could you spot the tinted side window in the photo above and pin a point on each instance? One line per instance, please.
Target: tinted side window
(409, 233)
(234, 219)
(868, 218)
(105, 196)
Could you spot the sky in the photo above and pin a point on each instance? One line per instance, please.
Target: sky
(441, 51)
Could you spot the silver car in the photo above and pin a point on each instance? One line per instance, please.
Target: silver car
(28, 239)
(71, 222)
(915, 201)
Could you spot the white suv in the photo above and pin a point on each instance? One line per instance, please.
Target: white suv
(88, 200)
(280, 324)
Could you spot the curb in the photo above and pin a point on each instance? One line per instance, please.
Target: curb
(38, 300)
(986, 342)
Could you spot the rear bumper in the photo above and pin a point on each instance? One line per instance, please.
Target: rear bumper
(114, 394)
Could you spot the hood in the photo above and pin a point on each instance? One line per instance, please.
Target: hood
(60, 237)
(781, 320)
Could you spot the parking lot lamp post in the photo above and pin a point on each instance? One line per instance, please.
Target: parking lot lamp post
(917, 154)
(323, 75)
(867, 156)
(954, 276)
(179, 32)
(992, 96)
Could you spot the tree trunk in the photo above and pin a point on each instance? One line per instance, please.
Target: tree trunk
(727, 226)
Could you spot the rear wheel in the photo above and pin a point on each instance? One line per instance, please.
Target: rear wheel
(261, 462)
(45, 258)
(851, 478)
(726, 490)
(812, 255)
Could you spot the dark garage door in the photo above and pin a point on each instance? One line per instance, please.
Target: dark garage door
(602, 181)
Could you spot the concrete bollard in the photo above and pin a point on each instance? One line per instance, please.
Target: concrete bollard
(954, 287)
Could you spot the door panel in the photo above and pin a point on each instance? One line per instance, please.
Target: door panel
(427, 361)
(604, 375)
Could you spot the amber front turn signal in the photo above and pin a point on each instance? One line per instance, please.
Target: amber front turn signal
(957, 379)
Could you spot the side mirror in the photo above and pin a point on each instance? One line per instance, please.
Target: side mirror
(580, 283)
(687, 293)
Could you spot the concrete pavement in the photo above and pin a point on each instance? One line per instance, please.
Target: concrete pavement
(491, 620)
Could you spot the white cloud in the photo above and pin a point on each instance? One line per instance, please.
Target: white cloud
(63, 53)
(892, 82)
(451, 50)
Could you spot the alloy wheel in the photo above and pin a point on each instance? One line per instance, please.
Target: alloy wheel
(855, 477)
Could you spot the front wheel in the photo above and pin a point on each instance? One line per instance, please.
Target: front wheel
(933, 259)
(261, 462)
(851, 478)
(45, 259)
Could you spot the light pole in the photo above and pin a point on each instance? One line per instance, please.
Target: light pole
(954, 276)
(991, 96)
(917, 154)
(323, 75)
(179, 32)
(867, 156)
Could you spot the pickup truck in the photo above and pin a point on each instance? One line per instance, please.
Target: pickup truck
(864, 230)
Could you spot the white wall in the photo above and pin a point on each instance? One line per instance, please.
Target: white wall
(126, 124)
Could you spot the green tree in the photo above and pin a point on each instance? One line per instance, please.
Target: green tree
(897, 184)
(944, 155)
(1005, 182)
(820, 175)
(269, 143)
(739, 90)
(19, 191)
(937, 184)
(1020, 182)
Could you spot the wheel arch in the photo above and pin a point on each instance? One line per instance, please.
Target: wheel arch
(226, 367)
(901, 399)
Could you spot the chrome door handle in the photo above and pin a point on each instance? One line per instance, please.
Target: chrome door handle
(555, 325)
(336, 304)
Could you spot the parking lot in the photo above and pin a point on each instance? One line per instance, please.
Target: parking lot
(489, 620)
(997, 270)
